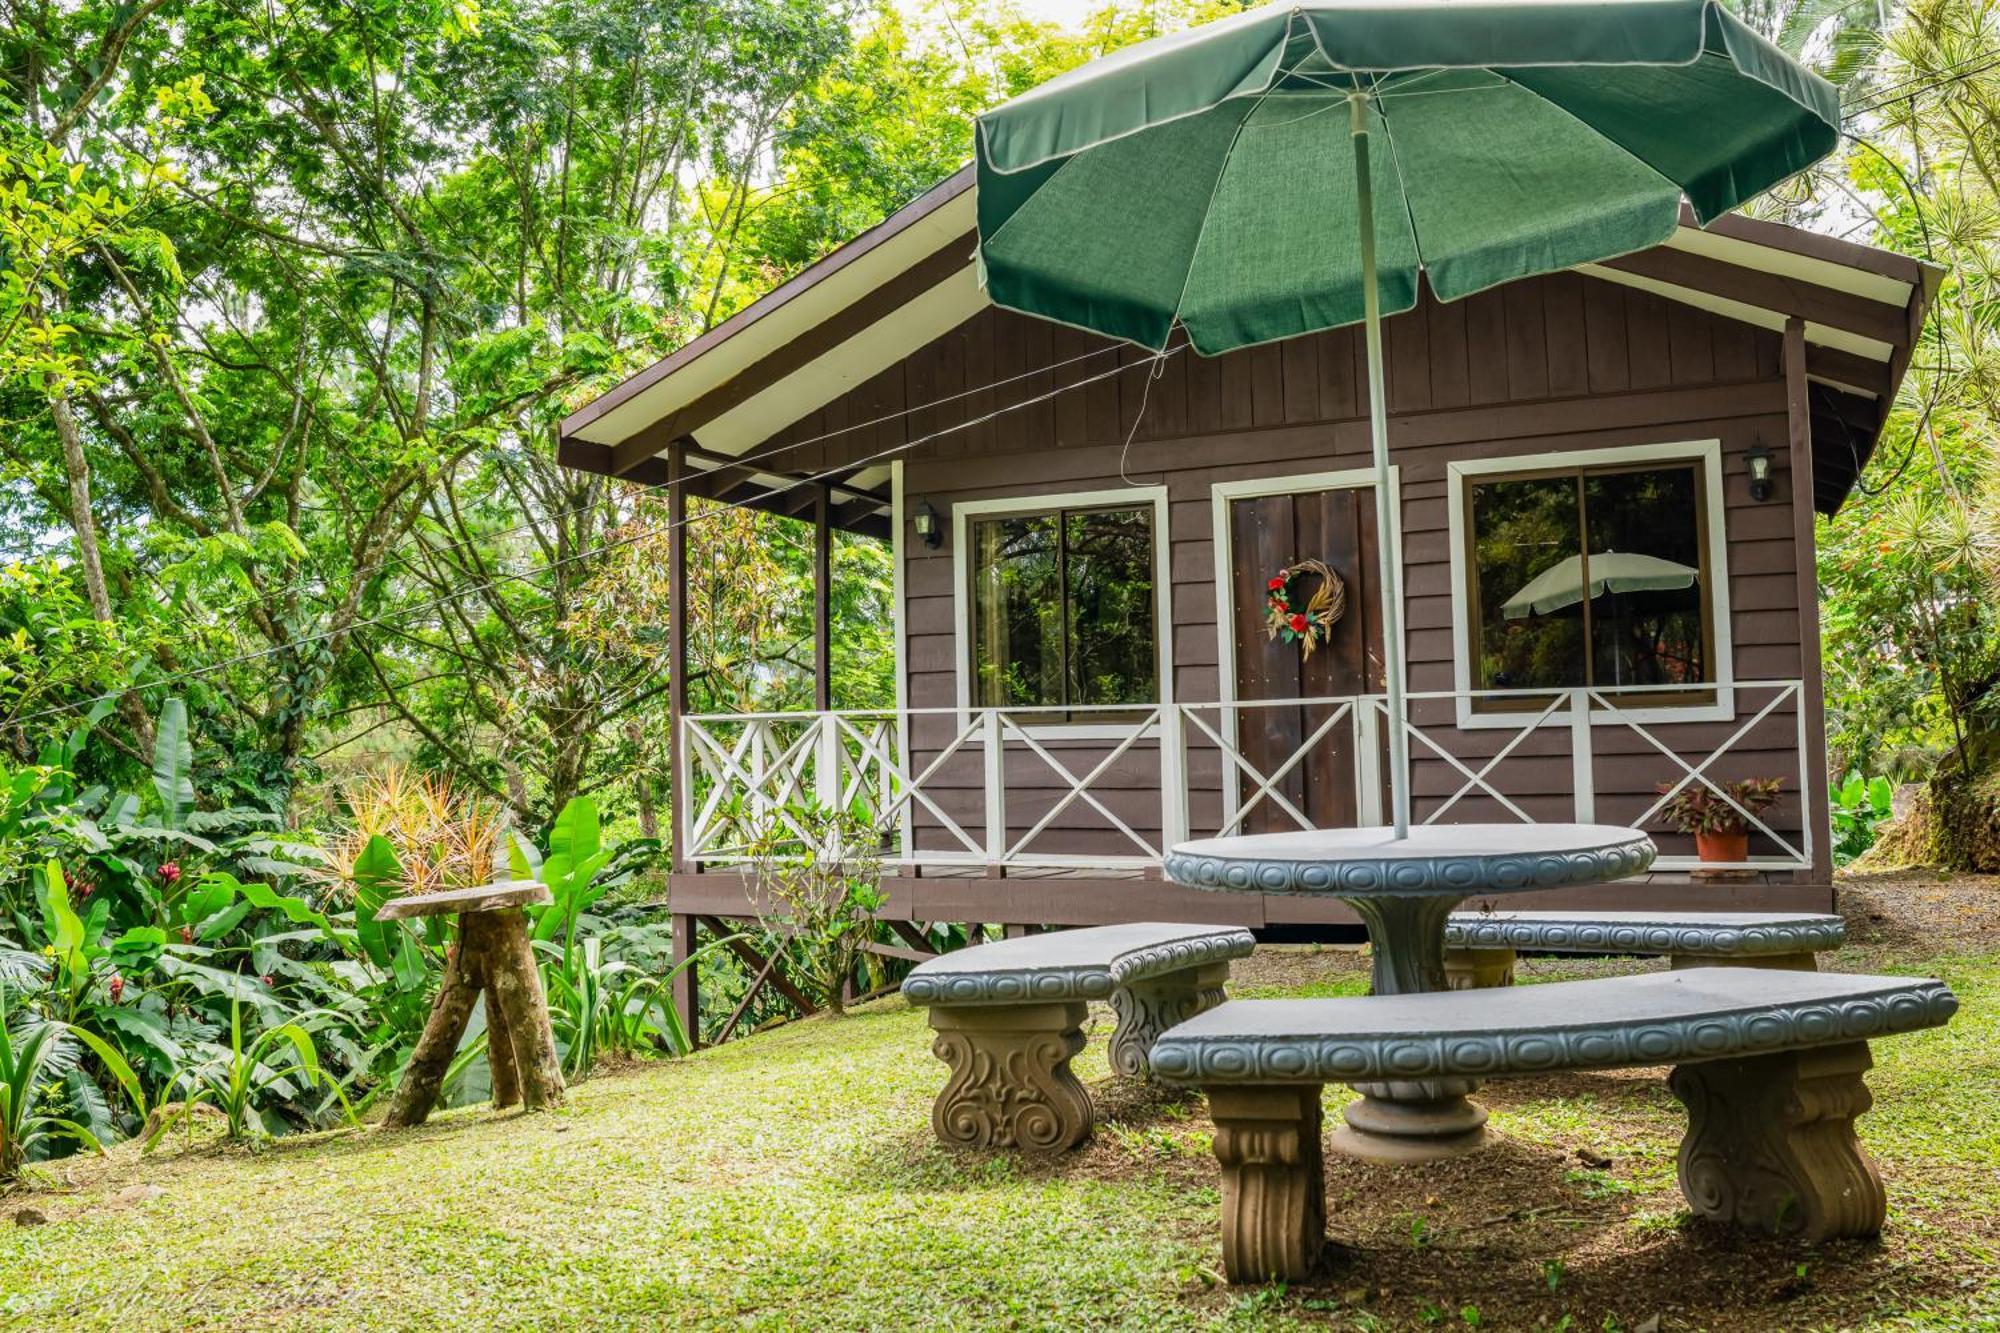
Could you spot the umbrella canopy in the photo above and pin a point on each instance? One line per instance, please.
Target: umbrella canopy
(1206, 178)
(1222, 179)
(1562, 584)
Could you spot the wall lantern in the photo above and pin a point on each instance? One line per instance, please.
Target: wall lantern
(1759, 459)
(929, 527)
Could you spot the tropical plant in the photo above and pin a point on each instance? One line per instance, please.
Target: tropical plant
(281, 1061)
(579, 869)
(819, 880)
(36, 1057)
(1859, 806)
(611, 1006)
(1698, 808)
(443, 837)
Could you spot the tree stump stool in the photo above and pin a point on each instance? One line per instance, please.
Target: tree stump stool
(491, 957)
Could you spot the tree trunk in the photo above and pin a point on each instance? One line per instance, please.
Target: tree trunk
(511, 968)
(423, 1076)
(505, 1076)
(82, 519)
(83, 522)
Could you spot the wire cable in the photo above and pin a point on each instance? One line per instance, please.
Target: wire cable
(80, 705)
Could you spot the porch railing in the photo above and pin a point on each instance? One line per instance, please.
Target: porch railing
(1112, 788)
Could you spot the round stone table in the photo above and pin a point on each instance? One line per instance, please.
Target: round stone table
(1403, 889)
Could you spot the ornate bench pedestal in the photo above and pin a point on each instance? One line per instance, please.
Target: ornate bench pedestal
(1770, 1144)
(491, 959)
(1010, 1083)
(1009, 1017)
(1267, 1139)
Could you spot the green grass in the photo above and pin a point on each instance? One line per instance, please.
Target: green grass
(790, 1181)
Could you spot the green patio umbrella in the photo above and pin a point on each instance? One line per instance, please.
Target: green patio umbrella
(1222, 179)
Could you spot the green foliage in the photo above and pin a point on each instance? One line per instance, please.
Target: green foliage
(819, 874)
(280, 1062)
(1910, 570)
(36, 1056)
(1860, 805)
(604, 1003)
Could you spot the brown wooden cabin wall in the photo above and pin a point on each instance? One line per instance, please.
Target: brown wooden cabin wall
(1545, 365)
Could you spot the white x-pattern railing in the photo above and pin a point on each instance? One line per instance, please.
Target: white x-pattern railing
(991, 787)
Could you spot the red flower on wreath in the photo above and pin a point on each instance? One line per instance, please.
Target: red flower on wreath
(1307, 614)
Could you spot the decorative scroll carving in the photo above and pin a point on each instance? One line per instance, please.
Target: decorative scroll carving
(1010, 1084)
(1478, 969)
(1273, 1181)
(1146, 1009)
(1461, 874)
(1770, 1143)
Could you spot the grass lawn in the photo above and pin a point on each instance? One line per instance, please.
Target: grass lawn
(790, 1181)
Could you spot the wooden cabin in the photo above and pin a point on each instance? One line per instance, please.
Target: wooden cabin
(1084, 536)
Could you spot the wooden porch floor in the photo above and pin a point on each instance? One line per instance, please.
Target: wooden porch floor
(1040, 896)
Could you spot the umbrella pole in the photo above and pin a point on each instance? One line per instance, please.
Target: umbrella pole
(1388, 532)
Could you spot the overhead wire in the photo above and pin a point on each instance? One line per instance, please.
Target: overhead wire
(645, 534)
(304, 587)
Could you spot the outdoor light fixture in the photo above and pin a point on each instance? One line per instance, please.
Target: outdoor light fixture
(1759, 460)
(929, 528)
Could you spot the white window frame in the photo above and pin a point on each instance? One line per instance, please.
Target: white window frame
(1163, 601)
(1709, 454)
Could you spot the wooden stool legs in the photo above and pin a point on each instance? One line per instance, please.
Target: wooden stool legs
(424, 1075)
(493, 958)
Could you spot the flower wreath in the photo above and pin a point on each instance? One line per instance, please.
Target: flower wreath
(1309, 622)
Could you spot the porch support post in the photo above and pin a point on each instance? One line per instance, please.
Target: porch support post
(1813, 796)
(822, 601)
(687, 986)
(677, 693)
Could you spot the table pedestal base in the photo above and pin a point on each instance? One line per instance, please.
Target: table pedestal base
(1424, 1120)
(1411, 1122)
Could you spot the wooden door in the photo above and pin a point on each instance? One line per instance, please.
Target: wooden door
(1266, 534)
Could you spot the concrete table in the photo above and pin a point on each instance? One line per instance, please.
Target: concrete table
(1403, 889)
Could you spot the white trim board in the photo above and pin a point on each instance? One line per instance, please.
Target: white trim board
(899, 607)
(1163, 599)
(1709, 454)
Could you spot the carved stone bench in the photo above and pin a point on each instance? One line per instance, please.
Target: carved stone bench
(1480, 947)
(1009, 1015)
(1768, 1064)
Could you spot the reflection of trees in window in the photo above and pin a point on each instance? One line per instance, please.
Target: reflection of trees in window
(1627, 606)
(1063, 609)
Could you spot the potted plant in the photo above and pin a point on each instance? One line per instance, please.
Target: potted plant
(1717, 824)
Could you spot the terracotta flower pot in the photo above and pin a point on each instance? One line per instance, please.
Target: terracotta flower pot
(1723, 845)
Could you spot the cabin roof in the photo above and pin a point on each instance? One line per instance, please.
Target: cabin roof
(913, 278)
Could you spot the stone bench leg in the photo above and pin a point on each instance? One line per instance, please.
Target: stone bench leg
(1010, 1084)
(1145, 1009)
(1267, 1138)
(1770, 1144)
(1478, 969)
(1804, 961)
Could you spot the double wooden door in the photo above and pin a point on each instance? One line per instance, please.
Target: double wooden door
(1334, 524)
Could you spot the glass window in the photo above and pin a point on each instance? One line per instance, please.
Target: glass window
(1063, 609)
(1595, 577)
